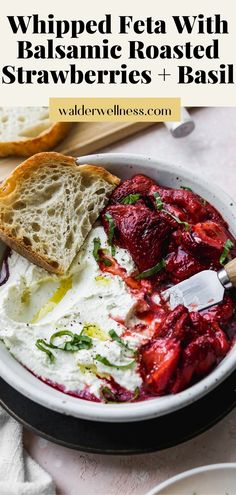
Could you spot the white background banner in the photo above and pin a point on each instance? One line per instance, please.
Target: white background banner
(144, 54)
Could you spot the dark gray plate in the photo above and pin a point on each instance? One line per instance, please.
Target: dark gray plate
(122, 438)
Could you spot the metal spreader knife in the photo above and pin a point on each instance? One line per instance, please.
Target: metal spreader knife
(203, 289)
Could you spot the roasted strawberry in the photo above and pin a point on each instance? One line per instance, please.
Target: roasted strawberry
(200, 355)
(212, 214)
(175, 217)
(175, 241)
(220, 313)
(210, 233)
(221, 343)
(177, 325)
(198, 358)
(205, 239)
(181, 265)
(152, 223)
(182, 378)
(140, 231)
(158, 362)
(138, 184)
(211, 328)
(185, 201)
(200, 325)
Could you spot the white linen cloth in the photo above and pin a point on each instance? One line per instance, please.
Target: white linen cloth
(19, 473)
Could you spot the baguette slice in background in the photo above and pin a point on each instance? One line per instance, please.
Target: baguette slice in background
(48, 206)
(25, 131)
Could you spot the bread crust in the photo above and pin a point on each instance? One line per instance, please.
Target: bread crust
(46, 140)
(8, 190)
(102, 172)
(27, 252)
(47, 158)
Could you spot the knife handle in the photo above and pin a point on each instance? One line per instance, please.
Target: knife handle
(230, 269)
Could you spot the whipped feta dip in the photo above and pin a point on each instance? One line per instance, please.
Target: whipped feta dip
(34, 305)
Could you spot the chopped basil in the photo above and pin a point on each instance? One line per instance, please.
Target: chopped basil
(151, 271)
(106, 262)
(76, 343)
(158, 200)
(97, 246)
(42, 346)
(110, 397)
(106, 362)
(186, 224)
(96, 249)
(116, 337)
(60, 333)
(111, 232)
(136, 394)
(226, 249)
(186, 188)
(159, 205)
(131, 199)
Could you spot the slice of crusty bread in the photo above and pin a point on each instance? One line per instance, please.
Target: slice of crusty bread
(48, 206)
(28, 130)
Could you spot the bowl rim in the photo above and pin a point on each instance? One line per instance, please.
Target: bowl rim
(146, 409)
(189, 473)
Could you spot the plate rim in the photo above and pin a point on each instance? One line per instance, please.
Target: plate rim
(188, 473)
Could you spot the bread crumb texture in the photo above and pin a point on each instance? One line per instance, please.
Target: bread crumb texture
(48, 206)
(28, 130)
(21, 123)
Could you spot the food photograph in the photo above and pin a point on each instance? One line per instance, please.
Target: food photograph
(117, 304)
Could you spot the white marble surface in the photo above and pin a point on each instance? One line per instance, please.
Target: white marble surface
(210, 151)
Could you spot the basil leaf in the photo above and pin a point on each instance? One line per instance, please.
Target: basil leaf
(42, 346)
(106, 362)
(84, 342)
(186, 224)
(111, 232)
(61, 333)
(108, 395)
(97, 246)
(116, 337)
(227, 246)
(111, 397)
(158, 200)
(136, 394)
(151, 271)
(96, 255)
(159, 205)
(76, 343)
(131, 199)
(106, 262)
(186, 188)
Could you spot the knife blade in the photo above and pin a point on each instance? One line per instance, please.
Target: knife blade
(202, 290)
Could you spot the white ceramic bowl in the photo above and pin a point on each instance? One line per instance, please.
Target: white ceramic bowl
(125, 165)
(215, 479)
